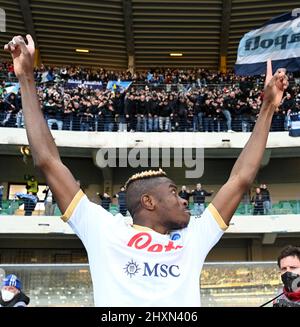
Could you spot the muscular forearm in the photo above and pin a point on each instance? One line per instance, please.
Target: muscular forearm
(248, 163)
(41, 142)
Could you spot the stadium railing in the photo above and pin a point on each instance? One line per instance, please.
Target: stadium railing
(283, 207)
(221, 283)
(189, 124)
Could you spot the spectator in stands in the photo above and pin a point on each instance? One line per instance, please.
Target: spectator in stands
(1, 195)
(121, 196)
(156, 209)
(108, 116)
(289, 265)
(11, 108)
(118, 102)
(11, 293)
(266, 198)
(86, 118)
(288, 105)
(229, 104)
(53, 113)
(11, 102)
(142, 111)
(131, 112)
(153, 112)
(184, 193)
(257, 201)
(69, 111)
(240, 114)
(172, 103)
(165, 112)
(105, 200)
(199, 199)
(20, 122)
(278, 121)
(181, 113)
(30, 200)
(10, 71)
(243, 114)
(49, 202)
(208, 114)
(32, 185)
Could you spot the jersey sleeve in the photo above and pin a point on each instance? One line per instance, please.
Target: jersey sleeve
(207, 230)
(87, 219)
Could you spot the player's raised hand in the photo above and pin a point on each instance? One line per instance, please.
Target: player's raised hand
(275, 85)
(22, 55)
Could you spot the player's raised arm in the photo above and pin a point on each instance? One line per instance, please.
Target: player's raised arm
(44, 151)
(248, 163)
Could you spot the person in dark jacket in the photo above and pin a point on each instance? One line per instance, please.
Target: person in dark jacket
(121, 196)
(119, 105)
(153, 111)
(11, 293)
(181, 112)
(199, 199)
(257, 201)
(130, 109)
(142, 111)
(266, 198)
(184, 194)
(208, 114)
(165, 112)
(105, 200)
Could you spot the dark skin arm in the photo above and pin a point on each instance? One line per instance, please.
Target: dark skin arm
(44, 151)
(248, 163)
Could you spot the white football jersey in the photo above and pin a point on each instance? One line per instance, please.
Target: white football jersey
(140, 267)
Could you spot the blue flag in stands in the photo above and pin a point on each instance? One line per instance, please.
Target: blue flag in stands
(278, 39)
(12, 88)
(118, 86)
(149, 77)
(47, 77)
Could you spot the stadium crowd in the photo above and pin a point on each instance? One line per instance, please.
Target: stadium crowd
(157, 100)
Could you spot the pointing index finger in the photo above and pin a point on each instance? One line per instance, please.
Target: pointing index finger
(30, 40)
(269, 73)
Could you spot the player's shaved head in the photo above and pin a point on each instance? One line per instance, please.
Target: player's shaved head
(142, 183)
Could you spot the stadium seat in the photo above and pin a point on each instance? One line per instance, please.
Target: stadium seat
(4, 212)
(57, 212)
(286, 207)
(276, 208)
(240, 210)
(5, 204)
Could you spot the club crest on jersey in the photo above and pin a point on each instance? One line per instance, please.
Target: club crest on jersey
(143, 241)
(175, 236)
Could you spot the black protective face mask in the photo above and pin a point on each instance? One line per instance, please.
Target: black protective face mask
(291, 281)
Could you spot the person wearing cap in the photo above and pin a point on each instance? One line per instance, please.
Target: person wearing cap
(11, 293)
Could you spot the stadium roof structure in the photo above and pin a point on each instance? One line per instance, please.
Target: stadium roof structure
(142, 32)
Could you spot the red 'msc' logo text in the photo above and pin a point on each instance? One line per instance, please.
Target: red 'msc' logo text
(143, 241)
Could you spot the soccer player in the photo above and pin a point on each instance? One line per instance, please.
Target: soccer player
(156, 260)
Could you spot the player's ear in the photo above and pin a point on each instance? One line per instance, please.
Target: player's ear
(148, 202)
